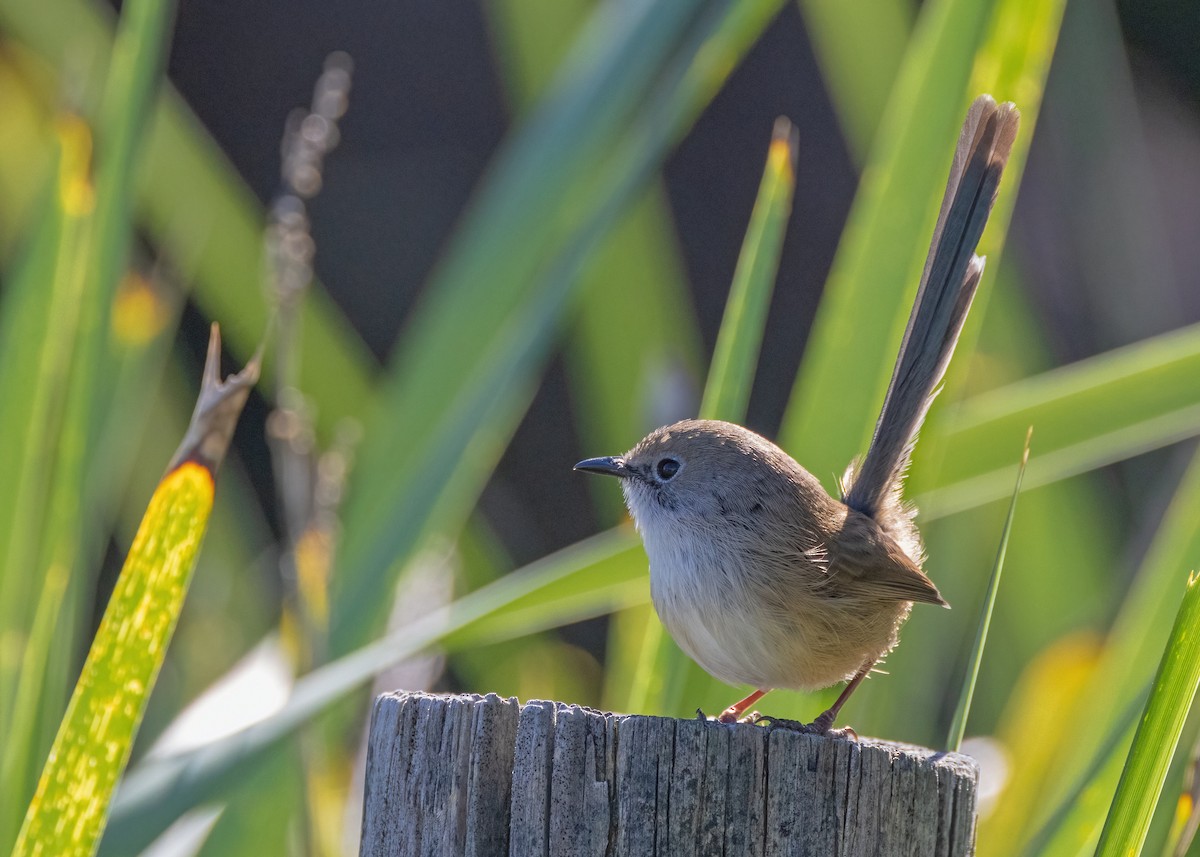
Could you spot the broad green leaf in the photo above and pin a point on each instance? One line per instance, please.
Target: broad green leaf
(617, 359)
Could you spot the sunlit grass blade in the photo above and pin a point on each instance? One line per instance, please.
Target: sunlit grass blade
(731, 375)
(40, 322)
(1158, 733)
(517, 243)
(860, 320)
(727, 391)
(1122, 674)
(591, 578)
(1078, 428)
(860, 47)
(69, 808)
(958, 725)
(96, 232)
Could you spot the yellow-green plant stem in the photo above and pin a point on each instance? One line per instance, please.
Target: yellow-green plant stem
(958, 725)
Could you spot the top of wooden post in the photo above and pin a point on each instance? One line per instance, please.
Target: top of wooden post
(475, 775)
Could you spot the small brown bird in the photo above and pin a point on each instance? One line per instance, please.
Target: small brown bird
(760, 575)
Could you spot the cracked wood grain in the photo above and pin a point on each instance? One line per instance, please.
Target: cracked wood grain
(481, 775)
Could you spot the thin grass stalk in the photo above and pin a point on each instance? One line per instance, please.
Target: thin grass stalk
(962, 711)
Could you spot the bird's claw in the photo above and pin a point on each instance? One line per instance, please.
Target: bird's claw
(821, 726)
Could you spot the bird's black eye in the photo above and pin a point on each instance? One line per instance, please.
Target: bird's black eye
(667, 468)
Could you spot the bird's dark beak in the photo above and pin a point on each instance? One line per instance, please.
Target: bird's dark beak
(611, 465)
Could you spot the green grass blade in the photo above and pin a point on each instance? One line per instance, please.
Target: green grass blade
(860, 47)
(727, 392)
(1078, 427)
(593, 577)
(1158, 733)
(23, 748)
(958, 725)
(134, 74)
(40, 322)
(96, 230)
(860, 321)
(1123, 671)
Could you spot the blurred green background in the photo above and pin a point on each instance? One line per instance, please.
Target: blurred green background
(525, 234)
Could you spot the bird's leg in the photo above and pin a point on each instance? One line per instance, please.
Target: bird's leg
(734, 713)
(824, 721)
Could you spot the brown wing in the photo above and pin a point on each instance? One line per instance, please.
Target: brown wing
(866, 562)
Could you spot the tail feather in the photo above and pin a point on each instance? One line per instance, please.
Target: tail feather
(948, 284)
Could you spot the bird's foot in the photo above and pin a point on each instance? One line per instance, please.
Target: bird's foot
(821, 726)
(728, 716)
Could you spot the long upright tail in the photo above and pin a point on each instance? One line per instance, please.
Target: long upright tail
(952, 272)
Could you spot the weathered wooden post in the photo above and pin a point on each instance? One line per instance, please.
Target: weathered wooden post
(471, 775)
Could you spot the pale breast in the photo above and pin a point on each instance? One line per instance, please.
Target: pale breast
(740, 635)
